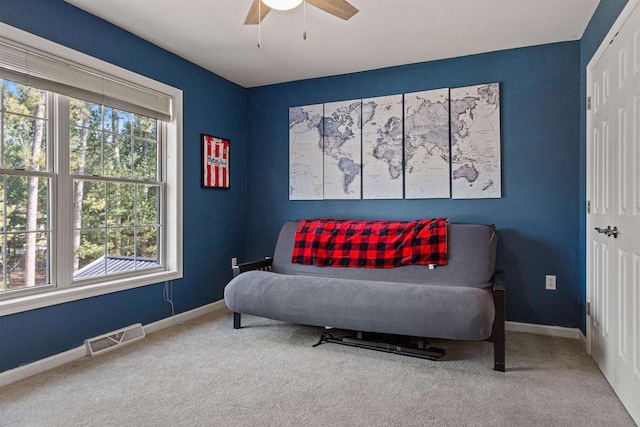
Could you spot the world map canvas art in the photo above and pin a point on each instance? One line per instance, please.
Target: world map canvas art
(426, 144)
(382, 147)
(342, 155)
(438, 143)
(306, 179)
(475, 142)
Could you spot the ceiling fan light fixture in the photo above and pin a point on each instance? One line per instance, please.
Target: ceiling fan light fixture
(282, 4)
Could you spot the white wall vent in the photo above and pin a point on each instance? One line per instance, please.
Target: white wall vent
(115, 339)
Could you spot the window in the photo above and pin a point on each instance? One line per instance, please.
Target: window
(90, 176)
(117, 190)
(25, 183)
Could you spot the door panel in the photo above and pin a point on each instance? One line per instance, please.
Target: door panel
(613, 187)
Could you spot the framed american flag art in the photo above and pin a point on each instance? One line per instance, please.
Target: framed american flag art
(215, 162)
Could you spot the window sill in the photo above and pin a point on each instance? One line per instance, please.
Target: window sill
(49, 298)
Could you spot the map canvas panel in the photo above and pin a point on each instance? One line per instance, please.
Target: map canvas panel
(426, 144)
(382, 147)
(342, 150)
(475, 142)
(305, 153)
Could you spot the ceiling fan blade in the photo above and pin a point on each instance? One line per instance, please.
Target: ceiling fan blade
(252, 17)
(340, 8)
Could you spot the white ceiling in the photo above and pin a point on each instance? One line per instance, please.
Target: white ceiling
(384, 33)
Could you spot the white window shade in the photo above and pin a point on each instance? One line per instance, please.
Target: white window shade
(36, 69)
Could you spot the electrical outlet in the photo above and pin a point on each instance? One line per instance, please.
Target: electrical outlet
(550, 282)
(234, 261)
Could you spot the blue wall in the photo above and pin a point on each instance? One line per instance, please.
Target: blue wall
(537, 217)
(599, 25)
(213, 219)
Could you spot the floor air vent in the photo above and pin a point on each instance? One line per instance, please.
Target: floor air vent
(115, 339)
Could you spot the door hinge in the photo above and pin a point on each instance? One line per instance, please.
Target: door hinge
(588, 103)
(588, 308)
(614, 37)
(588, 206)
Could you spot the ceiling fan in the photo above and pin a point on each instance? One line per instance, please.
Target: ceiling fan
(340, 8)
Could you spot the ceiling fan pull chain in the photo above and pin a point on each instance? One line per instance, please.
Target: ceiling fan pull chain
(304, 8)
(259, 21)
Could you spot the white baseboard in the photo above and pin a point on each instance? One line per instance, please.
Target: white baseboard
(551, 331)
(21, 372)
(25, 371)
(183, 317)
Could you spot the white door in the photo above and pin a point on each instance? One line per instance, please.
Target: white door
(613, 221)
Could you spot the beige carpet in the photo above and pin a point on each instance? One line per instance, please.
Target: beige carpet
(204, 373)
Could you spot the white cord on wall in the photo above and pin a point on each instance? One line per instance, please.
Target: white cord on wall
(168, 295)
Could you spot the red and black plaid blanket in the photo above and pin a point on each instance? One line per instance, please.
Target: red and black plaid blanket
(371, 244)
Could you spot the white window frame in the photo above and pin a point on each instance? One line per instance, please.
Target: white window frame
(172, 215)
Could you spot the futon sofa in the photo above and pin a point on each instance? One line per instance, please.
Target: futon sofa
(463, 300)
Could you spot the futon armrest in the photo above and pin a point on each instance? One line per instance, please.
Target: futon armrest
(498, 336)
(498, 281)
(264, 265)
